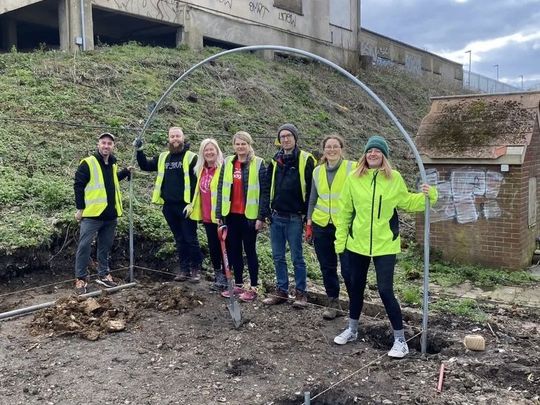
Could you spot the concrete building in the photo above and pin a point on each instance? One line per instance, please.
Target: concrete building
(483, 152)
(328, 28)
(381, 50)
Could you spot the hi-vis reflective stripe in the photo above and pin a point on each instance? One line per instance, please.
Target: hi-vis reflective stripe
(332, 210)
(95, 201)
(93, 164)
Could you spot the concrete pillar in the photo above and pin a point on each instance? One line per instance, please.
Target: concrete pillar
(189, 34)
(8, 33)
(70, 25)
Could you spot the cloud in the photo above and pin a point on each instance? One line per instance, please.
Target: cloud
(480, 48)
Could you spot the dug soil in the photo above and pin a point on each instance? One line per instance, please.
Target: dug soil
(175, 343)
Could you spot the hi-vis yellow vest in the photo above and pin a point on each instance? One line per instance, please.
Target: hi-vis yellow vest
(186, 161)
(327, 205)
(196, 214)
(95, 194)
(253, 187)
(303, 158)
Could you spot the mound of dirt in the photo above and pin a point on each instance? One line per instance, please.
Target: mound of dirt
(164, 297)
(88, 318)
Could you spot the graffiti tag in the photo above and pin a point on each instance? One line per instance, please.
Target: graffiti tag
(468, 195)
(289, 18)
(258, 8)
(227, 3)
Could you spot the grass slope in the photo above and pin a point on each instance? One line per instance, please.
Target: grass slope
(53, 104)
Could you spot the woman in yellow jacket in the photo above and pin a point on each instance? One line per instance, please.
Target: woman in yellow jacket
(368, 228)
(323, 210)
(203, 208)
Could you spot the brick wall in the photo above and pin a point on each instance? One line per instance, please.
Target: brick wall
(494, 242)
(531, 167)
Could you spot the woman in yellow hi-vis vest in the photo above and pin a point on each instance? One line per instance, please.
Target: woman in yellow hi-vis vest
(367, 229)
(323, 209)
(242, 205)
(203, 208)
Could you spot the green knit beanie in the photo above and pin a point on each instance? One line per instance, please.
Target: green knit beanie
(378, 142)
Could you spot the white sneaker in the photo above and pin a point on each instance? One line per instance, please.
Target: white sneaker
(345, 337)
(399, 350)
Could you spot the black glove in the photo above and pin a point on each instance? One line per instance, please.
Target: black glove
(138, 143)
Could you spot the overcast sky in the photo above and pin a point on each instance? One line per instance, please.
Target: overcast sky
(498, 32)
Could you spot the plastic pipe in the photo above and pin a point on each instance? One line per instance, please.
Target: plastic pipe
(423, 342)
(33, 308)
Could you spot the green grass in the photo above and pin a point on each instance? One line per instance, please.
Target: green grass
(111, 89)
(450, 274)
(465, 307)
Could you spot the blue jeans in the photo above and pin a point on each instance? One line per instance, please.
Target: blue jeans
(282, 230)
(89, 228)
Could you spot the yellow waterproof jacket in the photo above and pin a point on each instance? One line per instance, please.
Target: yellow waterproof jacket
(368, 223)
(196, 214)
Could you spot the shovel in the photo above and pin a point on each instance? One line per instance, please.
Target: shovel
(234, 307)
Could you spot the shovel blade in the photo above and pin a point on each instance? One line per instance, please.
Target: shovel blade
(234, 309)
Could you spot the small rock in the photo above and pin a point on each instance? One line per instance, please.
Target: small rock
(116, 325)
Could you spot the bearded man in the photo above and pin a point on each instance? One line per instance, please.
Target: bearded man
(174, 188)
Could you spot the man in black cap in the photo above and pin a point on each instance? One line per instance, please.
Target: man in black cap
(290, 180)
(99, 204)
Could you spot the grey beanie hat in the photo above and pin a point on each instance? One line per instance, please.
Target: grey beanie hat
(289, 127)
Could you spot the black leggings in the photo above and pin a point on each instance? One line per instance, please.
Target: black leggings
(214, 246)
(384, 268)
(241, 233)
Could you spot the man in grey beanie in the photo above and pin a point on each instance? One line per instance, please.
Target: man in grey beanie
(290, 185)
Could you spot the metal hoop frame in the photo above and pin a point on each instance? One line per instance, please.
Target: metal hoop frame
(359, 84)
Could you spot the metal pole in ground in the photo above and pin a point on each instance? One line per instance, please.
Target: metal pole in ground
(389, 113)
(307, 399)
(33, 308)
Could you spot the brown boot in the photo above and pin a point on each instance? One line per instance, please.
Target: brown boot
(300, 300)
(278, 297)
(333, 309)
(195, 275)
(182, 276)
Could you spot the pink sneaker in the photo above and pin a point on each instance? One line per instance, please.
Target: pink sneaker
(237, 290)
(248, 295)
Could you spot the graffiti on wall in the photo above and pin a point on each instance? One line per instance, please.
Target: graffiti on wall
(289, 18)
(469, 194)
(256, 7)
(227, 3)
(165, 10)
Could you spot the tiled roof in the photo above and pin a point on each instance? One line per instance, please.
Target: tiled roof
(478, 126)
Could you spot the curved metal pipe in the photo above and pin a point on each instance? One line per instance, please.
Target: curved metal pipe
(374, 97)
(33, 308)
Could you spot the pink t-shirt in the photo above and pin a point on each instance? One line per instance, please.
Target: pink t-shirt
(206, 194)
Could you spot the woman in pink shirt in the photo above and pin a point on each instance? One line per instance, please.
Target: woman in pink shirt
(208, 167)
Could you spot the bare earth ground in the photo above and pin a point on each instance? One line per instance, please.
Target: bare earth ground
(179, 346)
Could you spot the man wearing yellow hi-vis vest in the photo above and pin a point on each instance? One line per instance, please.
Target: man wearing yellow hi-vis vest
(290, 184)
(99, 204)
(328, 180)
(174, 189)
